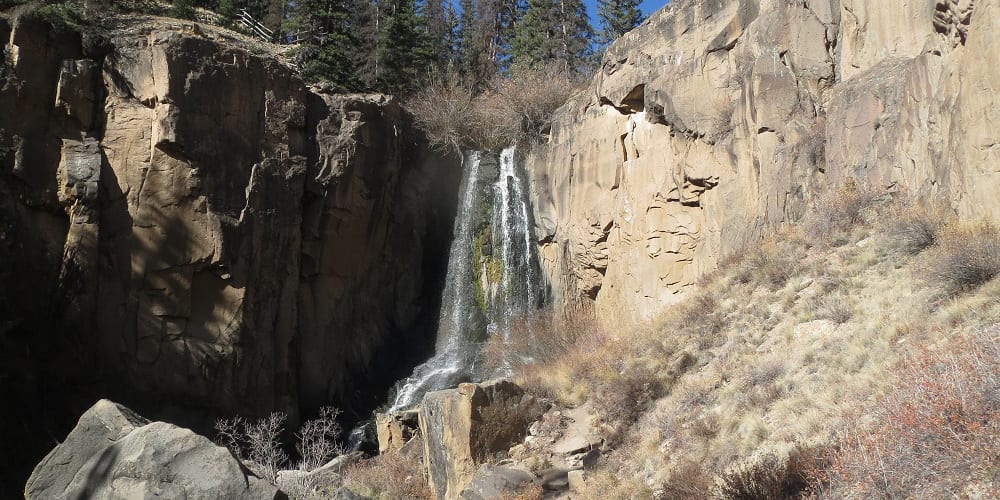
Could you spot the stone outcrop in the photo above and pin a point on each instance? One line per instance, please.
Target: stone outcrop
(464, 427)
(716, 121)
(114, 453)
(186, 224)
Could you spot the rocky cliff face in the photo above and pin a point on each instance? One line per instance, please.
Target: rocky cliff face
(716, 121)
(185, 223)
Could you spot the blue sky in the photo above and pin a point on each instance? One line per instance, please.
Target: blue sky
(648, 7)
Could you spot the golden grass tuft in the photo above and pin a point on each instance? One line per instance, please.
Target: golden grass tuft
(390, 476)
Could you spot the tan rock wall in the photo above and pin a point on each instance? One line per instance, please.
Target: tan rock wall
(716, 121)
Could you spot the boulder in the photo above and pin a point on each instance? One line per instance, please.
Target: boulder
(464, 427)
(395, 429)
(493, 481)
(324, 481)
(113, 453)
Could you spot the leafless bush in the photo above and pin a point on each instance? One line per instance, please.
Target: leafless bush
(514, 110)
(389, 476)
(689, 480)
(838, 210)
(835, 307)
(318, 439)
(912, 227)
(259, 444)
(443, 111)
(965, 256)
(771, 264)
(265, 457)
(540, 337)
(619, 398)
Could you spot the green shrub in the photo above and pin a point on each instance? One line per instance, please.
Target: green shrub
(65, 16)
(183, 9)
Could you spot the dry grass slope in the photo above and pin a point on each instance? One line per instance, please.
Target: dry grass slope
(875, 312)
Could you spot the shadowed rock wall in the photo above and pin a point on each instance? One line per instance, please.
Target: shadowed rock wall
(715, 121)
(188, 228)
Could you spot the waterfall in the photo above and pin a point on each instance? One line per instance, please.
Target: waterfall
(512, 229)
(492, 274)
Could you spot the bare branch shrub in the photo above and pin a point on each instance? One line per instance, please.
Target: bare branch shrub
(965, 256)
(772, 264)
(264, 455)
(768, 476)
(539, 338)
(229, 434)
(256, 444)
(912, 227)
(935, 435)
(513, 111)
(443, 111)
(838, 210)
(318, 439)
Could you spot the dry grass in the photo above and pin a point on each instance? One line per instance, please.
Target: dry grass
(394, 475)
(775, 351)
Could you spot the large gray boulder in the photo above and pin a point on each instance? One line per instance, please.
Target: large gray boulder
(113, 453)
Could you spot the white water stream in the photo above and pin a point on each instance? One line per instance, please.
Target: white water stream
(510, 246)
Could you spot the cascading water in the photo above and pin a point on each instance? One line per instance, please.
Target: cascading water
(492, 275)
(517, 292)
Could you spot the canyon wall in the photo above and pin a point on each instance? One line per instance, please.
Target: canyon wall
(716, 121)
(184, 224)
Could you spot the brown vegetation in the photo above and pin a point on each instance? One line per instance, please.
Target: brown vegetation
(391, 476)
(515, 110)
(936, 435)
(737, 391)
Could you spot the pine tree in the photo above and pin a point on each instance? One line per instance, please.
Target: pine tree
(183, 9)
(365, 23)
(487, 30)
(402, 54)
(617, 18)
(439, 19)
(553, 31)
(326, 31)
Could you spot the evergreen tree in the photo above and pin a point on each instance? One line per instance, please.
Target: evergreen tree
(617, 17)
(327, 40)
(403, 55)
(183, 9)
(365, 23)
(553, 31)
(487, 30)
(439, 17)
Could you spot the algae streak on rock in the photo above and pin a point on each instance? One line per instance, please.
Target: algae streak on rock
(716, 121)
